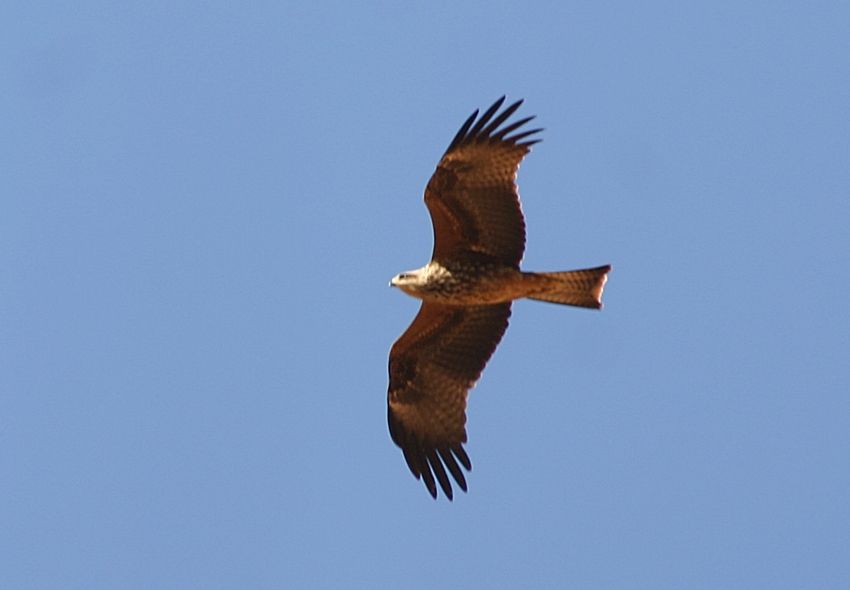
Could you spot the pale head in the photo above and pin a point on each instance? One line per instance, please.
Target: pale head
(409, 281)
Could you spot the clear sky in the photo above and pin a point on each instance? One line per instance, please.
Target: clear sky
(201, 206)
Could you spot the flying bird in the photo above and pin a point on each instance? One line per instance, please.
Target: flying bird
(466, 291)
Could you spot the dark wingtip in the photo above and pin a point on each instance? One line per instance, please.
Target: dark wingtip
(430, 466)
(461, 455)
(428, 462)
(428, 478)
(483, 120)
(486, 127)
(450, 463)
(439, 472)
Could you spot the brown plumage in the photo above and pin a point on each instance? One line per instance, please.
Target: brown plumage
(466, 292)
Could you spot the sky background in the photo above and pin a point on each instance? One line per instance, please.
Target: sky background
(201, 206)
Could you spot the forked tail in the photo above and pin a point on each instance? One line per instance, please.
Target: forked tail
(582, 288)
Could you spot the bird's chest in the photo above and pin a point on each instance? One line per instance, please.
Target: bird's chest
(473, 284)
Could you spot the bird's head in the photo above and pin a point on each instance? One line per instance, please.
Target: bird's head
(409, 281)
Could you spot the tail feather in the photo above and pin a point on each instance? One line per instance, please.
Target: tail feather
(582, 288)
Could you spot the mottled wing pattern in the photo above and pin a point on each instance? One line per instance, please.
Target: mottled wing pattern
(473, 197)
(432, 367)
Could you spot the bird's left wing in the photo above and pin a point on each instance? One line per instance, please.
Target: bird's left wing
(472, 195)
(432, 367)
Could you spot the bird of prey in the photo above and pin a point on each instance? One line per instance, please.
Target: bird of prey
(466, 292)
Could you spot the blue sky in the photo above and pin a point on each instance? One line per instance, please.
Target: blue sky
(202, 206)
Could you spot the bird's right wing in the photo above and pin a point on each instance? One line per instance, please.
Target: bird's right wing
(432, 367)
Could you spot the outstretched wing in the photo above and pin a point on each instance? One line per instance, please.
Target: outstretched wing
(432, 367)
(473, 197)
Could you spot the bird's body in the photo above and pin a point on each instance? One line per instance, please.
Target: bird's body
(468, 282)
(463, 282)
(466, 292)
